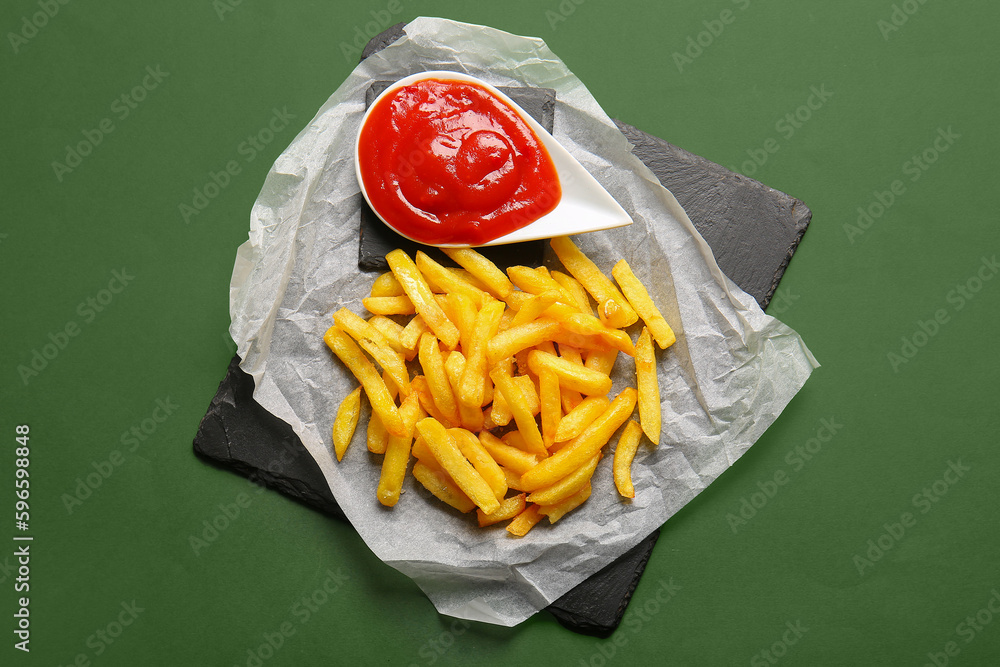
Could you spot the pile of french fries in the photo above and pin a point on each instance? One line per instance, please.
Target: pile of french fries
(492, 348)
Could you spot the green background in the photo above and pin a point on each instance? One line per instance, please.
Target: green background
(853, 296)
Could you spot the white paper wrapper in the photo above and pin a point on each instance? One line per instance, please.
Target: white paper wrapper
(731, 372)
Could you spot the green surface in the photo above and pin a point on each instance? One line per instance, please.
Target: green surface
(853, 295)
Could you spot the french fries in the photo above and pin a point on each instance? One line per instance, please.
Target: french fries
(486, 345)
(345, 422)
(644, 306)
(625, 450)
(381, 400)
(648, 387)
(397, 453)
(447, 453)
(595, 282)
(419, 292)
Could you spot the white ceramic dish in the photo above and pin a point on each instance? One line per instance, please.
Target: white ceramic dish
(585, 205)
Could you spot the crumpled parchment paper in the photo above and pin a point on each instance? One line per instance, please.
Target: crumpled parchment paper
(730, 373)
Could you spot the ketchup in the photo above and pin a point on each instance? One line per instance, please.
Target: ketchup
(448, 162)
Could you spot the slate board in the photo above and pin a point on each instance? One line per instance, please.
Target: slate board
(753, 231)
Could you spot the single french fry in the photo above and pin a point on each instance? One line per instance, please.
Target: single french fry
(448, 281)
(568, 485)
(494, 279)
(378, 394)
(386, 285)
(638, 296)
(500, 414)
(595, 282)
(508, 509)
(377, 436)
(550, 399)
(508, 456)
(442, 486)
(524, 522)
(473, 385)
(389, 305)
(576, 289)
(580, 417)
(648, 387)
(522, 337)
(580, 449)
(481, 460)
(397, 453)
(517, 401)
(345, 422)
(437, 378)
(573, 376)
(409, 337)
(455, 464)
(533, 307)
(420, 295)
(559, 510)
(470, 416)
(625, 450)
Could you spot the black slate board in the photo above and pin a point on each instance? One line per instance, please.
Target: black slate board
(753, 231)
(377, 240)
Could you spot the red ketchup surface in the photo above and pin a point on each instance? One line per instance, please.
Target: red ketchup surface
(447, 162)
